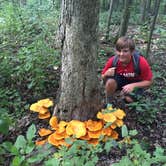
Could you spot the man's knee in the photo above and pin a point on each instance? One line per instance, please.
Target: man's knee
(111, 84)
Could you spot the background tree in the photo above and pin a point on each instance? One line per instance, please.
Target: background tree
(109, 18)
(79, 93)
(143, 10)
(125, 18)
(152, 27)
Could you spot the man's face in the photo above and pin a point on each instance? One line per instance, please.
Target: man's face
(124, 55)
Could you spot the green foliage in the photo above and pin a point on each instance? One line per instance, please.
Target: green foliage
(27, 57)
(5, 122)
(24, 152)
(80, 151)
(136, 156)
(148, 108)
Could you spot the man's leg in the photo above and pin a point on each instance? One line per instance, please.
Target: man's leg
(136, 94)
(110, 88)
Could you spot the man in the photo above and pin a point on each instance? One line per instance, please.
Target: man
(123, 76)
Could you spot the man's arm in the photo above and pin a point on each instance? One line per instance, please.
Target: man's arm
(109, 72)
(142, 84)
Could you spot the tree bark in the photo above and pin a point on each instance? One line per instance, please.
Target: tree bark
(79, 87)
(143, 10)
(109, 18)
(125, 18)
(152, 27)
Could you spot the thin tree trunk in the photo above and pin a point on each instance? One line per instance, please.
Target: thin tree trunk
(152, 28)
(79, 88)
(125, 18)
(143, 11)
(109, 18)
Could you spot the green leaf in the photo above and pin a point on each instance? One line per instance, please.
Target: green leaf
(29, 149)
(7, 145)
(20, 142)
(4, 126)
(133, 132)
(108, 124)
(124, 131)
(31, 133)
(52, 162)
(18, 160)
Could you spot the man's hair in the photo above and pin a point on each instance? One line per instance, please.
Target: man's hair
(125, 42)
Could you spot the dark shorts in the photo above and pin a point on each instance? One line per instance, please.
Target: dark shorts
(122, 81)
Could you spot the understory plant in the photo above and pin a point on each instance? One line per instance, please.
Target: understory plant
(137, 156)
(24, 152)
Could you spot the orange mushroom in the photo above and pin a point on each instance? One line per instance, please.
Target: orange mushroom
(44, 116)
(94, 125)
(109, 117)
(119, 122)
(85, 137)
(94, 142)
(114, 134)
(107, 131)
(76, 128)
(53, 122)
(40, 142)
(56, 142)
(99, 115)
(44, 132)
(120, 114)
(95, 134)
(45, 103)
(60, 136)
(37, 108)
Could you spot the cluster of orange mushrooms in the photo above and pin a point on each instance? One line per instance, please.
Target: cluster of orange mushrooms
(91, 131)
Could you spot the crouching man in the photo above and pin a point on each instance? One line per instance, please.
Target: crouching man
(127, 71)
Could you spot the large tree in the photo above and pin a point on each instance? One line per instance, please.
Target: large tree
(125, 18)
(79, 96)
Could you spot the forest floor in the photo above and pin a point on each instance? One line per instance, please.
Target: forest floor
(153, 134)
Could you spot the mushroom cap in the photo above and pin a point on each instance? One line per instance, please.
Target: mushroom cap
(41, 142)
(44, 116)
(38, 108)
(43, 132)
(76, 128)
(99, 115)
(59, 136)
(107, 131)
(45, 103)
(56, 142)
(114, 134)
(119, 122)
(53, 122)
(95, 134)
(85, 137)
(94, 125)
(120, 114)
(109, 117)
(94, 142)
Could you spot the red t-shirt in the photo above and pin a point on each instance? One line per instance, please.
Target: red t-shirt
(128, 71)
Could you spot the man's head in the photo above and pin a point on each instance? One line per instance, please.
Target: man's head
(125, 42)
(124, 49)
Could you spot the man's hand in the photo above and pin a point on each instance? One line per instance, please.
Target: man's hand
(110, 72)
(128, 88)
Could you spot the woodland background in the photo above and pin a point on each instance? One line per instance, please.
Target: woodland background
(30, 65)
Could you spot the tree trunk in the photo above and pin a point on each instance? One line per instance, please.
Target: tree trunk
(149, 7)
(125, 18)
(109, 18)
(79, 91)
(152, 27)
(164, 11)
(143, 11)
